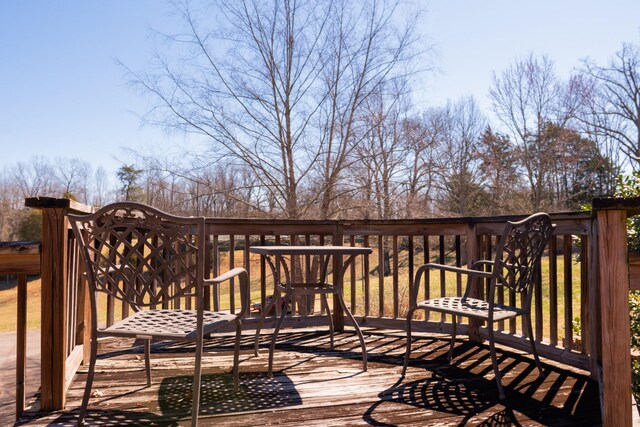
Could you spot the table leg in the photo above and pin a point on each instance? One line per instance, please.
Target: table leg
(358, 330)
(272, 348)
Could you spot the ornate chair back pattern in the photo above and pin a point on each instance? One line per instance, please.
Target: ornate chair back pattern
(144, 258)
(519, 252)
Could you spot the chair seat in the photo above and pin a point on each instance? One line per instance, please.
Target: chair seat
(471, 307)
(167, 323)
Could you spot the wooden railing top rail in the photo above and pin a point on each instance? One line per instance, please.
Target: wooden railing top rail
(567, 223)
(629, 204)
(19, 257)
(52, 202)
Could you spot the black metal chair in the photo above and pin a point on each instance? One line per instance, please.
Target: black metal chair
(154, 262)
(515, 267)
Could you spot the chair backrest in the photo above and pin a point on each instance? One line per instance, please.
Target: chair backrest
(520, 250)
(141, 255)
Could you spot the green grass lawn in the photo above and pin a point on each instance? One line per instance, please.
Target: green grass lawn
(9, 304)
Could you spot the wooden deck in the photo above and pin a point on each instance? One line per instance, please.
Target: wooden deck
(315, 387)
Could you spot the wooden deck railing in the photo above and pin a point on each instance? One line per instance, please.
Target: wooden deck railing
(62, 301)
(20, 259)
(582, 291)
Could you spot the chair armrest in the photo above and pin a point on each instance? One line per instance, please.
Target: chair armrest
(482, 262)
(242, 274)
(433, 266)
(224, 276)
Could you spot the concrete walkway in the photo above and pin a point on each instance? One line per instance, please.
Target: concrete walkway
(8, 373)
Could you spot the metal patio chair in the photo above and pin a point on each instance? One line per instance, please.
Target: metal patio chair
(516, 267)
(155, 263)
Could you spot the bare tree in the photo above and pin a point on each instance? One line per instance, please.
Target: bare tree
(461, 189)
(35, 178)
(525, 98)
(101, 187)
(499, 171)
(611, 109)
(11, 201)
(73, 176)
(381, 155)
(420, 137)
(278, 87)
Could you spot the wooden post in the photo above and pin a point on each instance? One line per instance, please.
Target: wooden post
(614, 311)
(594, 342)
(53, 273)
(54, 313)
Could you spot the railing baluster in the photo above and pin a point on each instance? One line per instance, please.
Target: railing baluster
(21, 345)
(568, 292)
(367, 287)
(247, 262)
(427, 274)
(207, 271)
(584, 295)
(395, 278)
(553, 291)
(381, 268)
(216, 271)
(443, 284)
(232, 264)
(410, 267)
(263, 279)
(352, 275)
(537, 294)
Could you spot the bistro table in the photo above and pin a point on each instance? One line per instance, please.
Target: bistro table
(277, 256)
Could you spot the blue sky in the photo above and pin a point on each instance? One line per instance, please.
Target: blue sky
(63, 95)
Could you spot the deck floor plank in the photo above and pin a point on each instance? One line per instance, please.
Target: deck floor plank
(313, 386)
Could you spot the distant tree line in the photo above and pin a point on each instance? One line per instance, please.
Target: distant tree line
(306, 109)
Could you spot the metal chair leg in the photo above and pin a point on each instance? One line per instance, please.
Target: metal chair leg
(236, 358)
(89, 383)
(147, 360)
(534, 350)
(325, 302)
(494, 361)
(407, 353)
(195, 405)
(272, 347)
(453, 336)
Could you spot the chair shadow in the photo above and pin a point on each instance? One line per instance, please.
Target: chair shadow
(256, 392)
(437, 393)
(466, 394)
(110, 417)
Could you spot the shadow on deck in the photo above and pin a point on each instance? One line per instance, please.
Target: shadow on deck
(317, 387)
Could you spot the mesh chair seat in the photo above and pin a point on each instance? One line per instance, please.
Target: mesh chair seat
(470, 307)
(169, 324)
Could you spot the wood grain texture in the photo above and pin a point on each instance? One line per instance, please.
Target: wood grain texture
(54, 309)
(19, 257)
(313, 386)
(614, 301)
